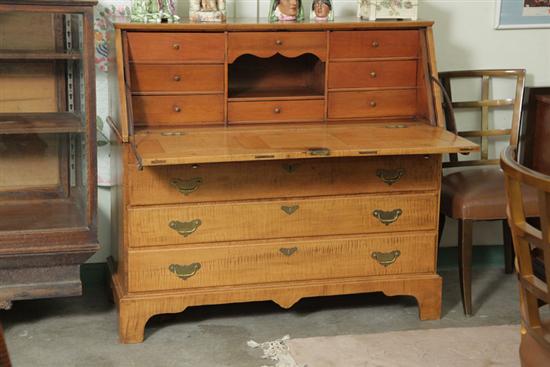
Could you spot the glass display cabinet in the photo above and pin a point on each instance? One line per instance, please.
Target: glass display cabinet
(47, 147)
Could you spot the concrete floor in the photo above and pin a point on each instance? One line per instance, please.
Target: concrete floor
(82, 331)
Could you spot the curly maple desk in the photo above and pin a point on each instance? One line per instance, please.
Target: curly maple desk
(264, 161)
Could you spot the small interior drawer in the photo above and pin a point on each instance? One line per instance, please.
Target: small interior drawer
(372, 74)
(373, 44)
(266, 44)
(280, 261)
(177, 110)
(175, 47)
(276, 111)
(177, 78)
(384, 103)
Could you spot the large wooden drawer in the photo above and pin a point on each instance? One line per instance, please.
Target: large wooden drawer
(266, 44)
(177, 78)
(276, 111)
(373, 44)
(176, 110)
(280, 261)
(372, 74)
(233, 221)
(176, 47)
(383, 103)
(275, 179)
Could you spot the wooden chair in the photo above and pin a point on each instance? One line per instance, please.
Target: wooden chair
(4, 357)
(476, 192)
(534, 288)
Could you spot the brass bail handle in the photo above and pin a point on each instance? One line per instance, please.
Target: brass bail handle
(390, 176)
(185, 228)
(386, 258)
(186, 187)
(185, 271)
(387, 217)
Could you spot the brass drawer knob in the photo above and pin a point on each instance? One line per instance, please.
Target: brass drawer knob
(386, 258)
(177, 78)
(372, 104)
(176, 46)
(185, 228)
(375, 44)
(390, 176)
(289, 209)
(288, 251)
(278, 42)
(186, 187)
(184, 271)
(177, 109)
(387, 217)
(373, 74)
(277, 110)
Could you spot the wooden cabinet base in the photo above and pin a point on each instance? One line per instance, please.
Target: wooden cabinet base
(136, 309)
(41, 276)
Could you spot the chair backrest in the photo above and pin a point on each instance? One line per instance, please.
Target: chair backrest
(528, 240)
(484, 104)
(533, 147)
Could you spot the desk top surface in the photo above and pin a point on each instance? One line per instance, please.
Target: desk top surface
(250, 143)
(244, 24)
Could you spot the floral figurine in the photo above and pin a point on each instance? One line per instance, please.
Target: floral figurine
(153, 11)
(286, 10)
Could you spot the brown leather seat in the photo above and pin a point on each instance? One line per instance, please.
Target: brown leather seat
(479, 194)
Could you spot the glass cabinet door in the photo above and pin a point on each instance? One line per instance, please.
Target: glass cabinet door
(44, 129)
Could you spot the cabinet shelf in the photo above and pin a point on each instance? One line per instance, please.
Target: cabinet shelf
(38, 55)
(293, 93)
(46, 122)
(43, 215)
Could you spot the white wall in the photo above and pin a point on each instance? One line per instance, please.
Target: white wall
(465, 38)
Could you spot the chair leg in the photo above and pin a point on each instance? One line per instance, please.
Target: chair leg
(442, 219)
(465, 228)
(508, 248)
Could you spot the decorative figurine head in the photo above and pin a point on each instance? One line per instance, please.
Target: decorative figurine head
(286, 10)
(321, 10)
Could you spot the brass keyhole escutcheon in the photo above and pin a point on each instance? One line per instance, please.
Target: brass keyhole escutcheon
(278, 42)
(177, 109)
(386, 258)
(289, 209)
(387, 217)
(176, 46)
(373, 74)
(375, 44)
(289, 167)
(390, 176)
(288, 251)
(184, 271)
(177, 78)
(185, 228)
(186, 187)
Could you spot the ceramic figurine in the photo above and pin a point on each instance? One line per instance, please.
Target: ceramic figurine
(286, 10)
(207, 10)
(321, 10)
(153, 11)
(364, 10)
